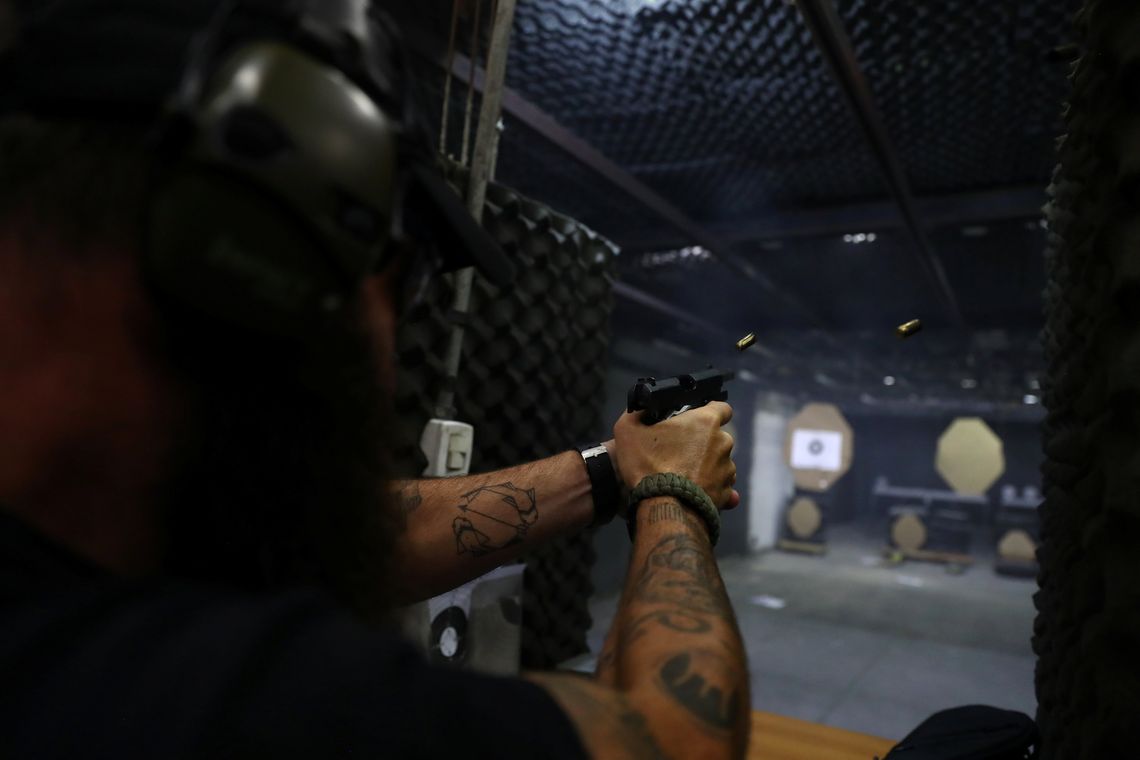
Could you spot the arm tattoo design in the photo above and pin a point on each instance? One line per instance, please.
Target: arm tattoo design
(676, 621)
(409, 500)
(493, 517)
(680, 573)
(681, 678)
(668, 511)
(690, 579)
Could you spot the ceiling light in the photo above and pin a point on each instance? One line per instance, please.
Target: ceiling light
(889, 380)
(1030, 399)
(969, 383)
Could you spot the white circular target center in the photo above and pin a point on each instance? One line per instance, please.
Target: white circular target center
(449, 642)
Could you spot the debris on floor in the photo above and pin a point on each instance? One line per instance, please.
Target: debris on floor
(771, 602)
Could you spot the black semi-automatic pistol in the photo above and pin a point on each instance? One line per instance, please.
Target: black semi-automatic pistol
(662, 399)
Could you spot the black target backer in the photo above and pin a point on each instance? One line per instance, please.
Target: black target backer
(449, 637)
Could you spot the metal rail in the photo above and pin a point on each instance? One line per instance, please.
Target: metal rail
(548, 127)
(482, 166)
(837, 50)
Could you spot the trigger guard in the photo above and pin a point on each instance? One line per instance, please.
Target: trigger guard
(682, 410)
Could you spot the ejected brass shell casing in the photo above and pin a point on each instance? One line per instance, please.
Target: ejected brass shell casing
(907, 329)
(746, 341)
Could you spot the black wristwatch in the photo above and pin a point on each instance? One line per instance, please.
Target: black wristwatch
(603, 482)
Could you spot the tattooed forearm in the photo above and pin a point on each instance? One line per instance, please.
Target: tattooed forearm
(493, 517)
(678, 599)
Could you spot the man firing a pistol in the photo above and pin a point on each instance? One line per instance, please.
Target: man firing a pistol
(198, 544)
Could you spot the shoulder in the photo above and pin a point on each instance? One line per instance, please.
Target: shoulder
(158, 670)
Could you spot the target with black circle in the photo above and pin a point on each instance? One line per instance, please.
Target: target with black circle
(449, 637)
(818, 447)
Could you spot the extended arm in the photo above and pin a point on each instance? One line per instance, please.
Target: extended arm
(461, 528)
(673, 678)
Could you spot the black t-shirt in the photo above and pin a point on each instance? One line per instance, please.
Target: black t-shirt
(95, 667)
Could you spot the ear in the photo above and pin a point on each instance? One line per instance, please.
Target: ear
(378, 310)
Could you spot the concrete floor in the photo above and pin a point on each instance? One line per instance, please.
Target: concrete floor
(848, 641)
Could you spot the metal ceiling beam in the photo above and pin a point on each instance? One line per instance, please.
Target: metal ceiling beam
(1000, 205)
(550, 129)
(836, 48)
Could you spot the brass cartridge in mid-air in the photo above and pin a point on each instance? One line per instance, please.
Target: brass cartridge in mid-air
(907, 329)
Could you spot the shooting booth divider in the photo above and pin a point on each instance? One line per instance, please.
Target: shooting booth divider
(531, 382)
(1087, 623)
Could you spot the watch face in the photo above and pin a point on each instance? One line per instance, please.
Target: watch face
(594, 451)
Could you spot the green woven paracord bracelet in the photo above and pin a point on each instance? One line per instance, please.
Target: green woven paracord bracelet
(680, 488)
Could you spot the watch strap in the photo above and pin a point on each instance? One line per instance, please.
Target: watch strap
(604, 485)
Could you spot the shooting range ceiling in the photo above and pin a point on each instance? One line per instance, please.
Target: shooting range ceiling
(729, 111)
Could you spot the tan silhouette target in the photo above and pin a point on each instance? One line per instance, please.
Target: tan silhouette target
(804, 518)
(908, 532)
(970, 457)
(1017, 545)
(818, 447)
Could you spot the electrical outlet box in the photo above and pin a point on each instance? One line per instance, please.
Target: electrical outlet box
(447, 444)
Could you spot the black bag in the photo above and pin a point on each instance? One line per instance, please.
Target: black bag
(975, 732)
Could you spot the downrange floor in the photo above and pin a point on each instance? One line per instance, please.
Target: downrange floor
(848, 641)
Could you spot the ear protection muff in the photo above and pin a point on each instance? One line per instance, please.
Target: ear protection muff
(279, 180)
